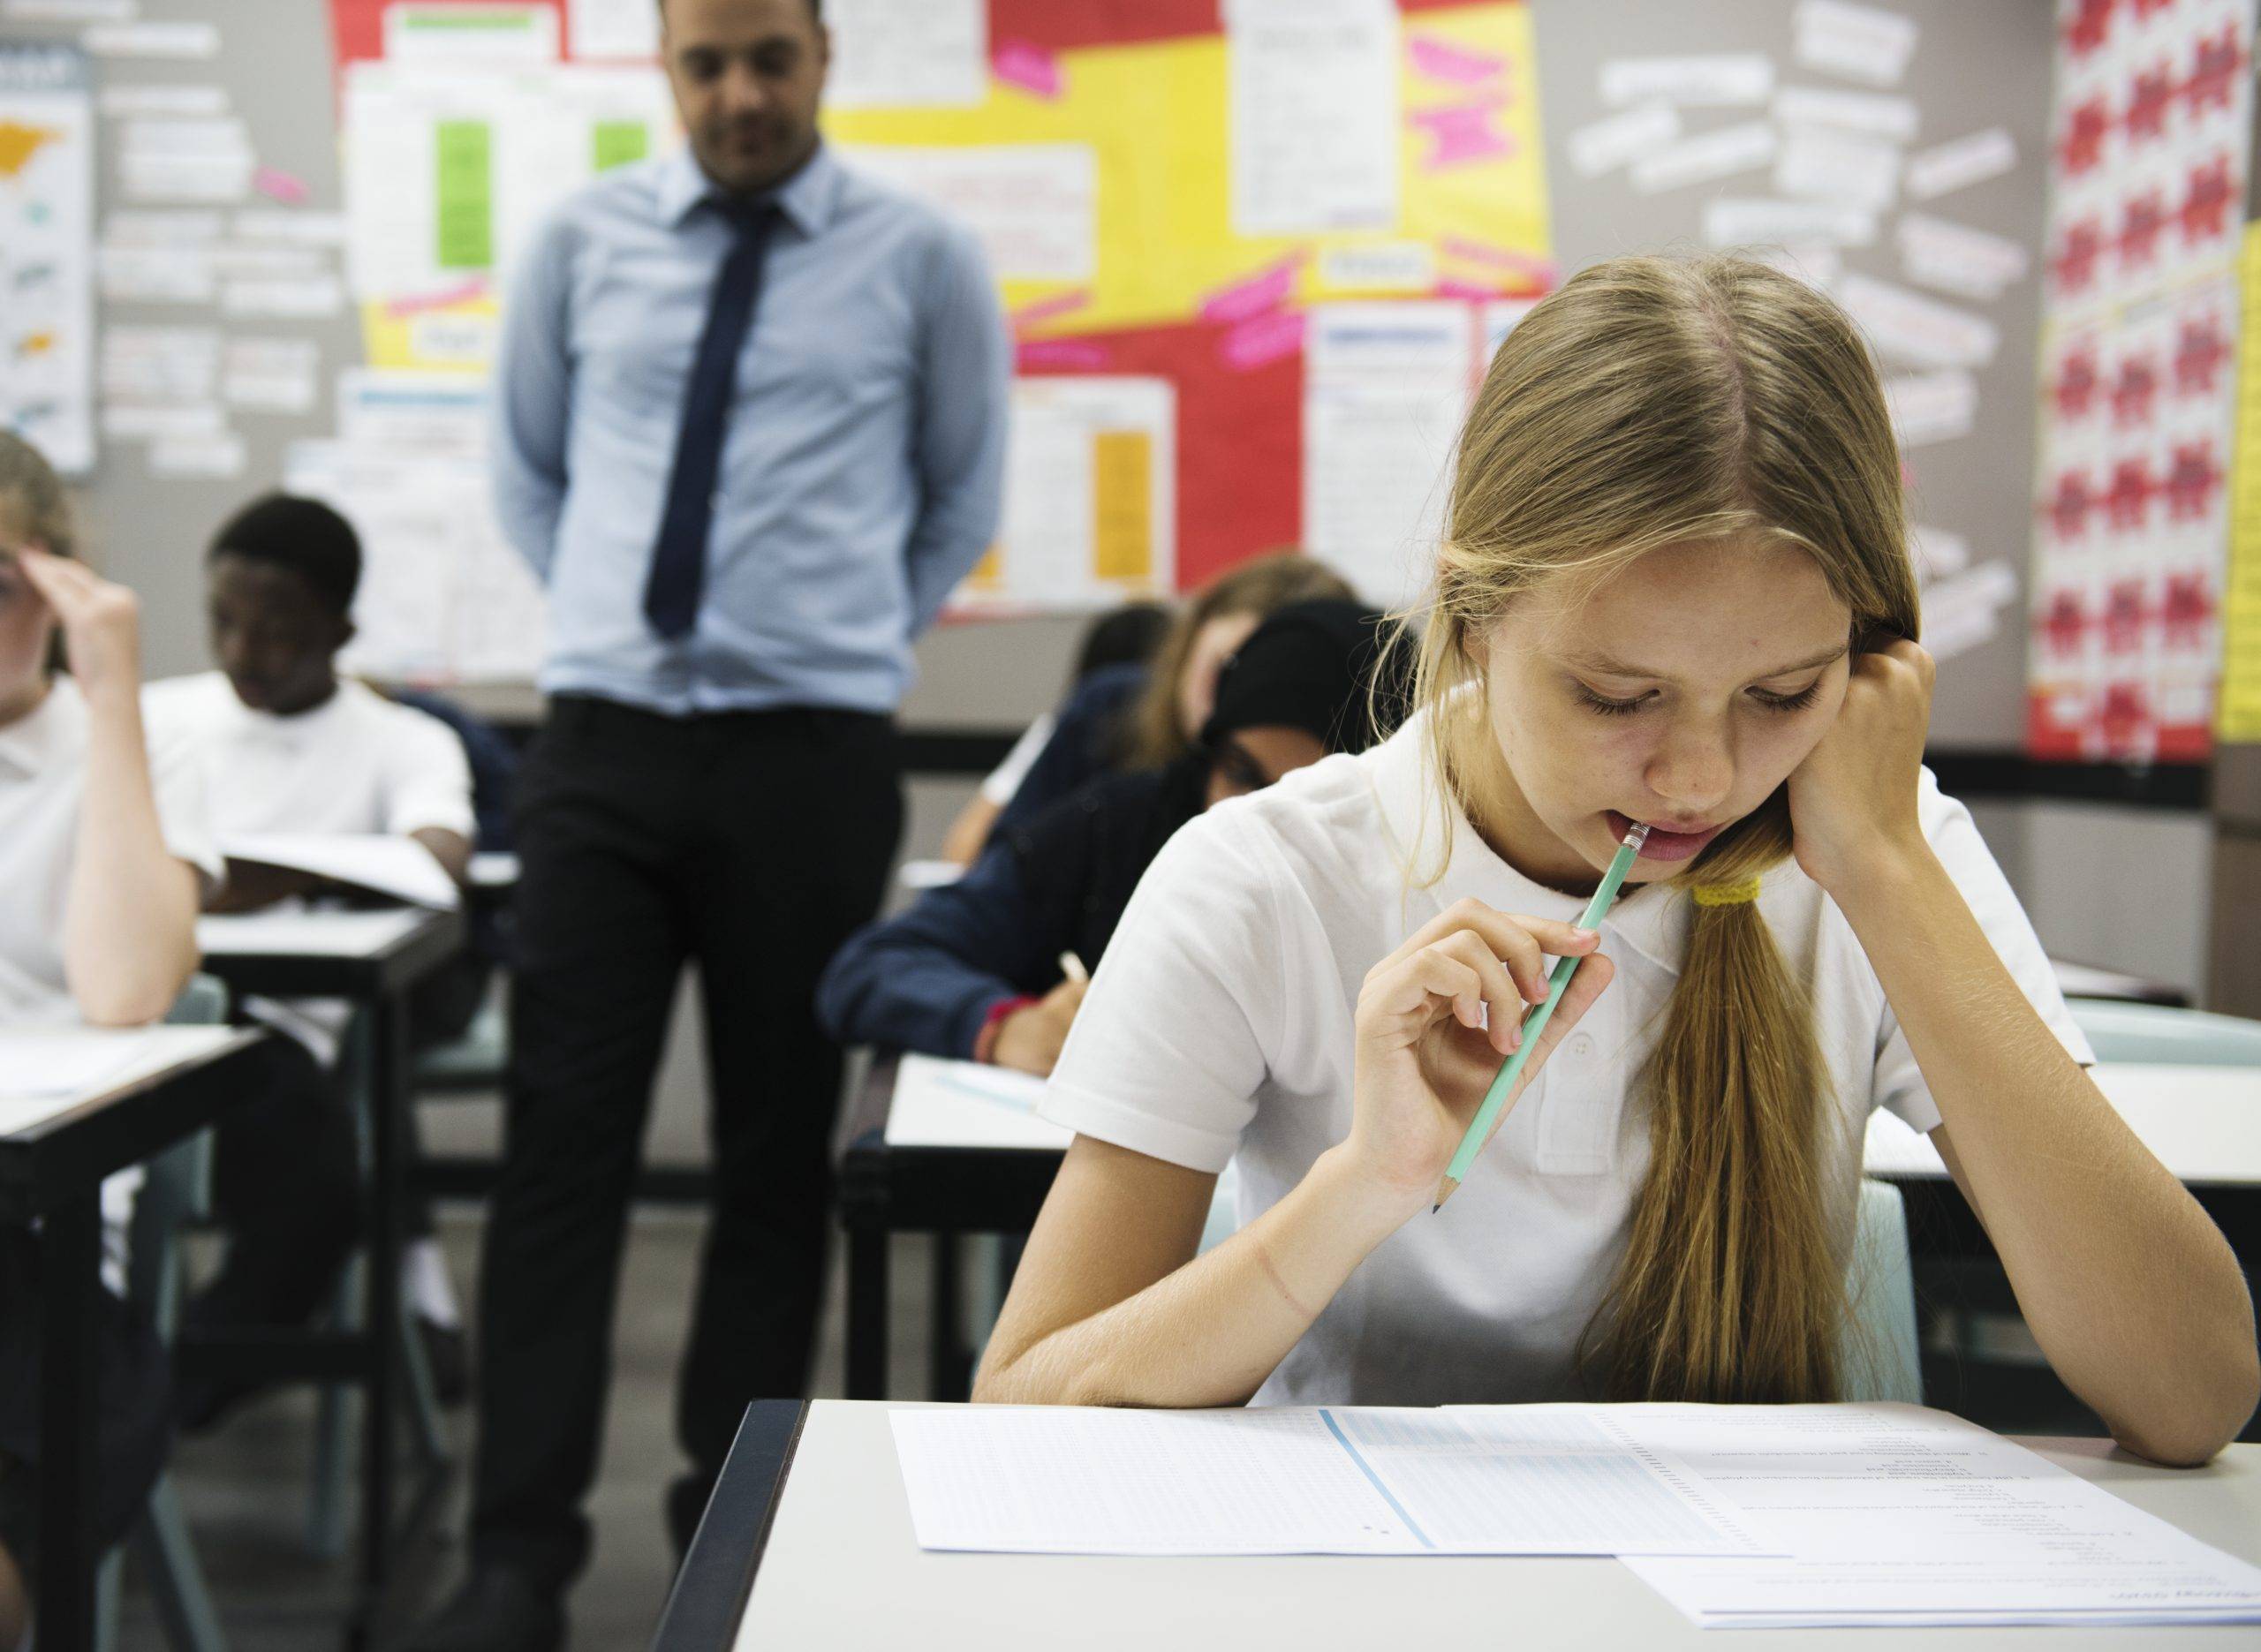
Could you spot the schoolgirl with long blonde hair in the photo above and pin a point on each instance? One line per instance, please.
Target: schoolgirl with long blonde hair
(1674, 589)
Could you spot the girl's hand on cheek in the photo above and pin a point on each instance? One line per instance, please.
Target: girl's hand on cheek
(101, 623)
(1853, 800)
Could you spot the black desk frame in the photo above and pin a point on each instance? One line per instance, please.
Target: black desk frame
(943, 1191)
(710, 1598)
(52, 1171)
(379, 983)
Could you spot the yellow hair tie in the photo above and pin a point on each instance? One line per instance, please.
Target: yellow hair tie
(1726, 893)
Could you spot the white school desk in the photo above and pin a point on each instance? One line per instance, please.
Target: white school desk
(807, 1542)
(142, 1090)
(373, 958)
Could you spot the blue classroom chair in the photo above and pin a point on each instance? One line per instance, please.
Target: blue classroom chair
(2152, 1034)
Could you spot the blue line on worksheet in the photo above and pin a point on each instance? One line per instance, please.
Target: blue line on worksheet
(1344, 1440)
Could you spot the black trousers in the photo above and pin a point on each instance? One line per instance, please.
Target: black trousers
(752, 843)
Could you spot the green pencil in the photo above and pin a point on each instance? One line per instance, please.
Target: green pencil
(1480, 1128)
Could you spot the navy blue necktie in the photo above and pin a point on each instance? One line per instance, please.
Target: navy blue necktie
(679, 559)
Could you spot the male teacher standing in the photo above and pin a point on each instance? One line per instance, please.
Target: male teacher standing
(751, 431)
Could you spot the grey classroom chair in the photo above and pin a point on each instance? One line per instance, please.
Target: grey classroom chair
(173, 1190)
(2154, 1034)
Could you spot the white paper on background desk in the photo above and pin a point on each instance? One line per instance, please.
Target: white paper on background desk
(968, 1103)
(396, 866)
(1899, 1515)
(313, 934)
(1296, 1480)
(45, 1070)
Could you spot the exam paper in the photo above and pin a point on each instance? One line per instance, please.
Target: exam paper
(396, 866)
(47, 1070)
(1296, 1480)
(1896, 1515)
(968, 1103)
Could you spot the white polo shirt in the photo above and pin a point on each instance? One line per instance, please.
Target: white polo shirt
(42, 775)
(1220, 1025)
(357, 763)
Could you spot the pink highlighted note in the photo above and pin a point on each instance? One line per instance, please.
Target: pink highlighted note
(439, 299)
(1045, 310)
(1453, 62)
(1242, 300)
(1265, 340)
(1030, 67)
(1461, 133)
(1078, 354)
(277, 185)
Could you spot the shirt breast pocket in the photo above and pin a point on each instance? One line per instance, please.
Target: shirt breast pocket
(639, 333)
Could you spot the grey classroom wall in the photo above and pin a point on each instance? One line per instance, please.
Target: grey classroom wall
(1978, 65)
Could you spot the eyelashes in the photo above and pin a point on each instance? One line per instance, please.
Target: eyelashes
(1799, 702)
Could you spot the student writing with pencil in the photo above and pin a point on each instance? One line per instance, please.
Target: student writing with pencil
(1675, 592)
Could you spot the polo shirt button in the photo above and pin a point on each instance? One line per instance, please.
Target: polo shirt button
(1580, 1044)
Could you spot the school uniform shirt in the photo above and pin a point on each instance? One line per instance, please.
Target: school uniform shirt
(42, 775)
(356, 764)
(1220, 1028)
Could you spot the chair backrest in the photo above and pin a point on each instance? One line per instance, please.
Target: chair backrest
(2155, 1034)
(1878, 1356)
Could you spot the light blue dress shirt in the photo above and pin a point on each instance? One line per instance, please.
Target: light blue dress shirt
(863, 467)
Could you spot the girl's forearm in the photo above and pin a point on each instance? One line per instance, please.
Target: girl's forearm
(1209, 1333)
(130, 915)
(2128, 1287)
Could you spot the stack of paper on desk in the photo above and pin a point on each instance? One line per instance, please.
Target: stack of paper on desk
(1739, 1515)
(396, 866)
(1893, 1514)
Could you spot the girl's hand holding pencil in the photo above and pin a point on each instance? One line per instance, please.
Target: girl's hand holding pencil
(1435, 1020)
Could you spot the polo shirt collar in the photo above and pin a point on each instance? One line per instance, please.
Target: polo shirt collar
(809, 199)
(1652, 921)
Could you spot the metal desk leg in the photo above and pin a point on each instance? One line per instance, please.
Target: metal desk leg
(946, 1375)
(70, 1239)
(867, 1325)
(389, 1094)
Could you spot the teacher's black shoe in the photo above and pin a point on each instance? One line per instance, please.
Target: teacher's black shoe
(497, 1610)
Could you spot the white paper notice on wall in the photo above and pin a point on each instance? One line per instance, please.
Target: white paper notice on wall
(1033, 206)
(69, 10)
(1314, 94)
(1937, 552)
(160, 364)
(1962, 162)
(311, 229)
(487, 35)
(1817, 263)
(300, 299)
(183, 102)
(895, 54)
(1756, 221)
(1907, 326)
(1860, 42)
(126, 421)
(1960, 612)
(1379, 266)
(269, 375)
(1826, 164)
(214, 456)
(1606, 144)
(1385, 388)
(1699, 159)
(1976, 263)
(622, 29)
(1928, 407)
(1711, 81)
(210, 176)
(1875, 114)
(152, 40)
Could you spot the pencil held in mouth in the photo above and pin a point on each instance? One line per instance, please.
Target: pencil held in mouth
(1480, 1128)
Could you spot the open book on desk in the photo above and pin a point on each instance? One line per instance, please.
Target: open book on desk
(399, 867)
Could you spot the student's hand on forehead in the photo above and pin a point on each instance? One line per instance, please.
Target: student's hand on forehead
(1435, 1020)
(1853, 800)
(100, 621)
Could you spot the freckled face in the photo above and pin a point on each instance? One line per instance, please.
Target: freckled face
(1680, 692)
